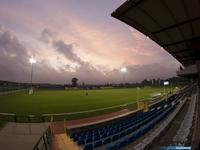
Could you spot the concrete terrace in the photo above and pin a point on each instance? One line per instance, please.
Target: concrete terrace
(22, 136)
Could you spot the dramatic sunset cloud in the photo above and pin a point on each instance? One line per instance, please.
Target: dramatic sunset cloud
(75, 38)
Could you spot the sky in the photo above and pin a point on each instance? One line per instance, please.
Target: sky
(75, 38)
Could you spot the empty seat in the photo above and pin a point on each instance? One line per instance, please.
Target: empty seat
(122, 134)
(98, 143)
(80, 142)
(106, 141)
(132, 138)
(104, 135)
(96, 138)
(88, 147)
(121, 144)
(115, 137)
(135, 127)
(113, 147)
(89, 140)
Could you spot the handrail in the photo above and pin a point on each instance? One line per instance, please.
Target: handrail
(46, 140)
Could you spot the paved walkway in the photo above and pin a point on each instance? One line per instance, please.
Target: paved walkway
(22, 136)
(98, 119)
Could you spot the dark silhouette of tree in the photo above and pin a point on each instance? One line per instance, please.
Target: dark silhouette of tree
(145, 82)
(74, 82)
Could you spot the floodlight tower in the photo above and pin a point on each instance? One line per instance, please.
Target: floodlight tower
(138, 96)
(123, 70)
(165, 83)
(32, 61)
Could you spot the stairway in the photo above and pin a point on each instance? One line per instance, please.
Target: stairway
(60, 140)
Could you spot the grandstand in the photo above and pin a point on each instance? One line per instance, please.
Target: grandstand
(127, 130)
(174, 26)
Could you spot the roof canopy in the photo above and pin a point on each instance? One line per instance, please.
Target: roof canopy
(173, 24)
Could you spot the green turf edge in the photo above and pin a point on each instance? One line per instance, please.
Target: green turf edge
(40, 118)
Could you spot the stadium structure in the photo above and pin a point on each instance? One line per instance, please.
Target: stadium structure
(168, 122)
(174, 26)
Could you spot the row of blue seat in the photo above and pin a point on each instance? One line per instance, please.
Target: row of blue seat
(109, 130)
(133, 125)
(121, 135)
(139, 132)
(116, 131)
(131, 138)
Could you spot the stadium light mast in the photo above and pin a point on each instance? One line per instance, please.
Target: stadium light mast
(32, 61)
(165, 83)
(123, 70)
(138, 96)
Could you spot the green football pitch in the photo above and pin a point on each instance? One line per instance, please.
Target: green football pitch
(74, 102)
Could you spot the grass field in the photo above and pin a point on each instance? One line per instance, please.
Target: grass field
(49, 102)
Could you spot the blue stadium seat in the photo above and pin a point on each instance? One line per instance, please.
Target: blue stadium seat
(104, 135)
(135, 127)
(115, 137)
(88, 147)
(106, 141)
(80, 142)
(98, 144)
(113, 147)
(96, 138)
(89, 140)
(121, 144)
(122, 134)
(132, 138)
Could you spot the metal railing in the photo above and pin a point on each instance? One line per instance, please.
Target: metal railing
(44, 142)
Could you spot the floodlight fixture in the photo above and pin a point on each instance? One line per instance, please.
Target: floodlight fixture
(123, 69)
(166, 82)
(32, 60)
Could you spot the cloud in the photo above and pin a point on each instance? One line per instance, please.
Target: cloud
(47, 35)
(13, 57)
(137, 73)
(103, 44)
(149, 71)
(14, 64)
(67, 50)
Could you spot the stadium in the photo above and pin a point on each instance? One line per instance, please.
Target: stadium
(113, 112)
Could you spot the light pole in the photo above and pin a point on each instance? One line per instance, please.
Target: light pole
(138, 94)
(165, 83)
(164, 88)
(32, 61)
(123, 70)
(171, 88)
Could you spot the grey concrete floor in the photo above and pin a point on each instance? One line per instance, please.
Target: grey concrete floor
(21, 136)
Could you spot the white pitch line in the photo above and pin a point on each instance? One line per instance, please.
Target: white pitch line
(80, 112)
